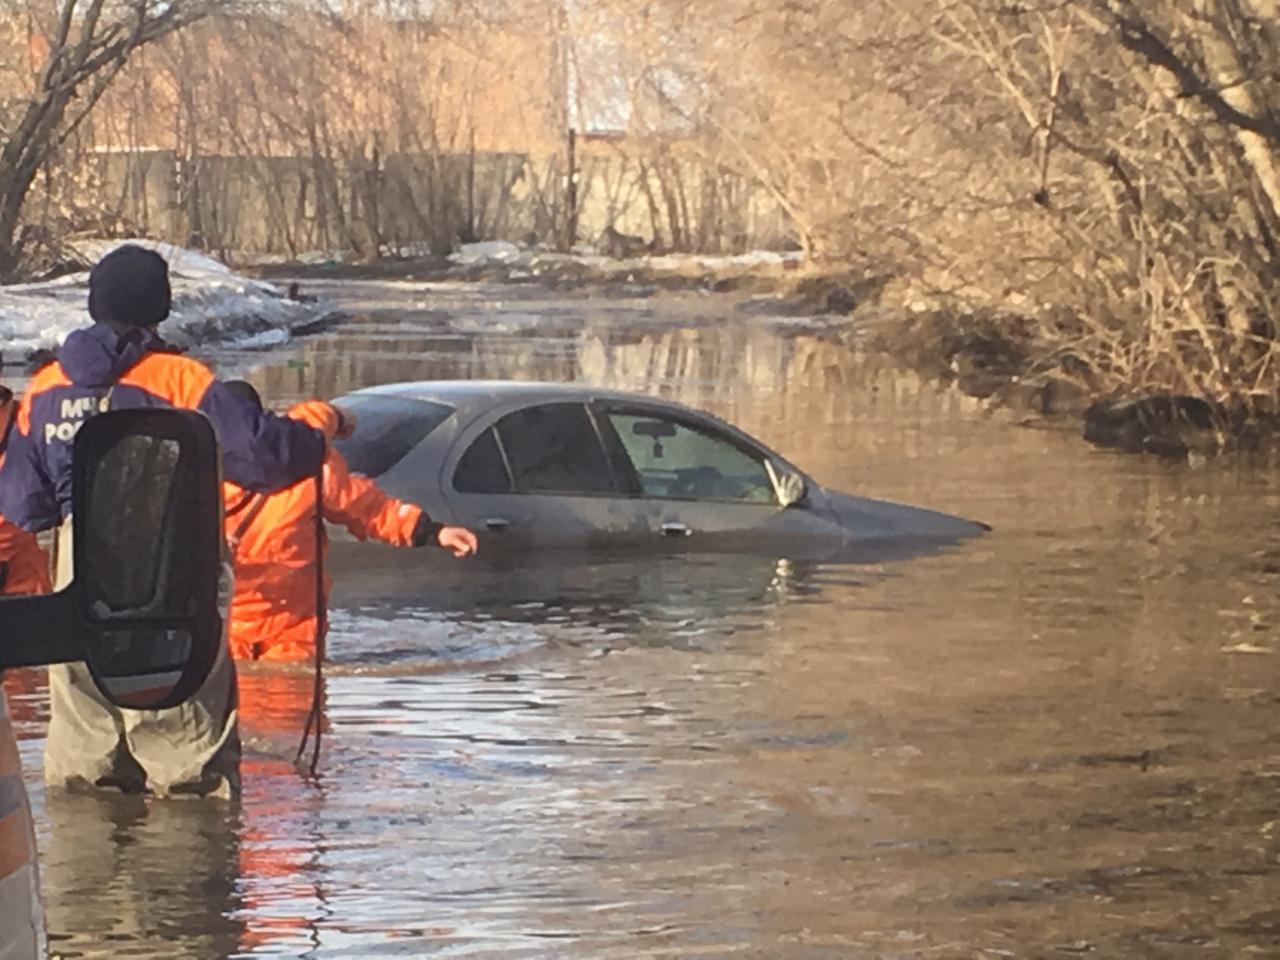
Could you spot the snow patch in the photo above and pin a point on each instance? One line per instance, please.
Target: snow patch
(504, 253)
(189, 264)
(211, 304)
(489, 251)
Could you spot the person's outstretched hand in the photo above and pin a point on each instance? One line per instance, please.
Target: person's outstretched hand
(459, 540)
(346, 422)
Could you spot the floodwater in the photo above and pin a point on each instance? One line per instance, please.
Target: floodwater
(1060, 740)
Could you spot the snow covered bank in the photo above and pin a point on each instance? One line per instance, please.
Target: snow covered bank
(503, 253)
(211, 304)
(490, 252)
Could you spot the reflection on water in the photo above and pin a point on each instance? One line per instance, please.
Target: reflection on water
(1058, 740)
(125, 878)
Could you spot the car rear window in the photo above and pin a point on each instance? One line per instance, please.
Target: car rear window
(387, 428)
(553, 448)
(482, 469)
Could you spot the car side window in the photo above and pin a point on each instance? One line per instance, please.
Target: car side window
(482, 468)
(674, 459)
(554, 448)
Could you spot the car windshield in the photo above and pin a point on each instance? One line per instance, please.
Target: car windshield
(387, 428)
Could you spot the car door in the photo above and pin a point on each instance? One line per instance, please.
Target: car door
(708, 485)
(539, 475)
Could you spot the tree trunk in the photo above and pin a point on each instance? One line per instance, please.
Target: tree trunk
(1225, 70)
(12, 192)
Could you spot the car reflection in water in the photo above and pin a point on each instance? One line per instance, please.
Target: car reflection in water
(408, 609)
(549, 465)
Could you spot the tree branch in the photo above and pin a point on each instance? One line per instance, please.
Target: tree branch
(1137, 37)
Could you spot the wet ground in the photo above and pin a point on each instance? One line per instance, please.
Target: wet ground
(1059, 740)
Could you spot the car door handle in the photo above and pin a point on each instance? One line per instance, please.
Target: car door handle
(497, 523)
(673, 528)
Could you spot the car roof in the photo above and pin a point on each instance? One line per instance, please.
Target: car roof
(466, 392)
(471, 397)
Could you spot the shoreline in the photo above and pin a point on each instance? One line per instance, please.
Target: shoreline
(1001, 357)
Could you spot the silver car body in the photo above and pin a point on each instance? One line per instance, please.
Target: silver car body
(678, 475)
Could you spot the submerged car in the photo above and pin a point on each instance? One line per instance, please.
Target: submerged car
(553, 465)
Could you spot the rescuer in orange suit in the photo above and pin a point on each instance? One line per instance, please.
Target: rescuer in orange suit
(276, 544)
(121, 362)
(24, 566)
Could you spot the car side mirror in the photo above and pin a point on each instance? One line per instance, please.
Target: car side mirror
(792, 489)
(142, 608)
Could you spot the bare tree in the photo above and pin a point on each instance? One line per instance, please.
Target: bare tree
(1105, 173)
(75, 49)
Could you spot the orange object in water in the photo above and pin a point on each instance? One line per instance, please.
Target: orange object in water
(24, 566)
(274, 542)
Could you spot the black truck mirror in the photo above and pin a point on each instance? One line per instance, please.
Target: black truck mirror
(142, 608)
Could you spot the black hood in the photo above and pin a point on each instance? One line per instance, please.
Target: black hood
(98, 355)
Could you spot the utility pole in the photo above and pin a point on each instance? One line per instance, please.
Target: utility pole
(568, 84)
(571, 193)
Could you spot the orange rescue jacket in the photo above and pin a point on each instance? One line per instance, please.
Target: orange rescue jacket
(273, 542)
(24, 566)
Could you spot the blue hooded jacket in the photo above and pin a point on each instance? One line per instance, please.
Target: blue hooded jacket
(102, 368)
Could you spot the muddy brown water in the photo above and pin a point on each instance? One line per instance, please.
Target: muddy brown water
(1059, 740)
